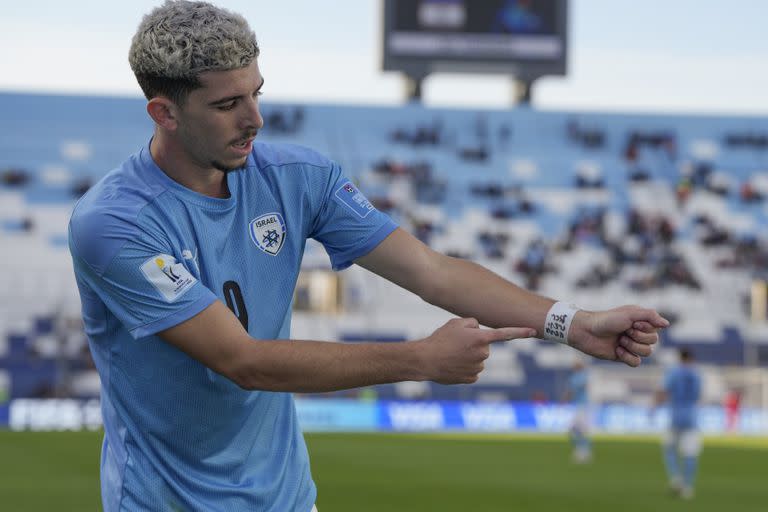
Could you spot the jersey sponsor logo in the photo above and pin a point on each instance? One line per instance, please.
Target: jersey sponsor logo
(171, 279)
(268, 232)
(354, 199)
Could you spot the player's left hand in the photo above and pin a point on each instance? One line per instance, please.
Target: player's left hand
(626, 333)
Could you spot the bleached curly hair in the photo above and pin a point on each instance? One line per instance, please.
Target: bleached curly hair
(181, 39)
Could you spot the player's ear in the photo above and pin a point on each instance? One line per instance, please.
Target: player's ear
(163, 112)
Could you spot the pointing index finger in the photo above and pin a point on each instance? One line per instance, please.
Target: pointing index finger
(655, 319)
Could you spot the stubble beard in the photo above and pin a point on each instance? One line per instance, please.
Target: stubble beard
(227, 168)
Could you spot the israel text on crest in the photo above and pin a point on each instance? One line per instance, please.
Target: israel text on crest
(268, 232)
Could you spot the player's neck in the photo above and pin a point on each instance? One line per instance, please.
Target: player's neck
(177, 165)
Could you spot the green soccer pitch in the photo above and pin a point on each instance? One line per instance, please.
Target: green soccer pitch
(430, 472)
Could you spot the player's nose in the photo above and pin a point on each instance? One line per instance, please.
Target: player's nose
(252, 118)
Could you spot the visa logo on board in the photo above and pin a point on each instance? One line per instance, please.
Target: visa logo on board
(416, 416)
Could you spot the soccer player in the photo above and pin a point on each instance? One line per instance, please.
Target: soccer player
(682, 390)
(578, 394)
(186, 257)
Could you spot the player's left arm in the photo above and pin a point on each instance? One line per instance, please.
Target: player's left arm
(466, 289)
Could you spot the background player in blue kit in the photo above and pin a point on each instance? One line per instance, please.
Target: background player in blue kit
(577, 392)
(186, 258)
(682, 443)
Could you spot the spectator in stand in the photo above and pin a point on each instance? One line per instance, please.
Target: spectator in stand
(683, 191)
(749, 194)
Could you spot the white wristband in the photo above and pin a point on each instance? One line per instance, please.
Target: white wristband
(558, 322)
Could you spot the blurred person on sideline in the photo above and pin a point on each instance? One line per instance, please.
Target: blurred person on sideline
(682, 442)
(186, 258)
(577, 392)
(732, 407)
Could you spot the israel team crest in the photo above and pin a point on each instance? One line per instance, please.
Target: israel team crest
(268, 232)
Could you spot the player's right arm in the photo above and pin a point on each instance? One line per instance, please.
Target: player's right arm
(453, 354)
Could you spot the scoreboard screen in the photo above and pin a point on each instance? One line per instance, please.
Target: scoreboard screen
(522, 37)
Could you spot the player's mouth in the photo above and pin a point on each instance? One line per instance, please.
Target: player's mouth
(244, 146)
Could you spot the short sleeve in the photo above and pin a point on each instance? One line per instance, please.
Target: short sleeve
(347, 224)
(142, 284)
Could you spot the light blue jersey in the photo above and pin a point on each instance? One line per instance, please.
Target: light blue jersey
(577, 387)
(683, 387)
(149, 254)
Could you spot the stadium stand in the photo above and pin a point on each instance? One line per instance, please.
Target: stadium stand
(602, 209)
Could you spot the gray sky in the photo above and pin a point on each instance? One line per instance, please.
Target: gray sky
(653, 55)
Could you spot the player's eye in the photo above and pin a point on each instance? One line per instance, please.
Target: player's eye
(227, 106)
